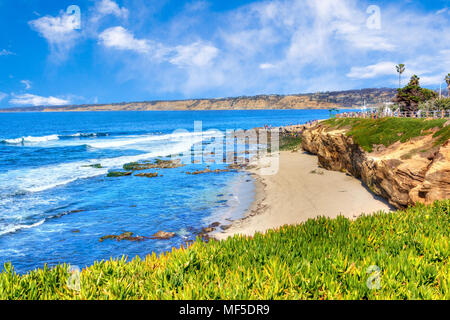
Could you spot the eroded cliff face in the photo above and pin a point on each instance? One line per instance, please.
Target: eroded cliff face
(403, 173)
(319, 100)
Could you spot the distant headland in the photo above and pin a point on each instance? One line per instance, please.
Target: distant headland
(321, 100)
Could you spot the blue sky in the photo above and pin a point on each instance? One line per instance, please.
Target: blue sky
(134, 50)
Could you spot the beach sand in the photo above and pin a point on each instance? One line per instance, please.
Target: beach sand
(300, 190)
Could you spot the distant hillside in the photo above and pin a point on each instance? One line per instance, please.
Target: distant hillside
(322, 100)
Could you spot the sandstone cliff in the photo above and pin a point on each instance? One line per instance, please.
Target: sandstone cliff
(321, 100)
(403, 173)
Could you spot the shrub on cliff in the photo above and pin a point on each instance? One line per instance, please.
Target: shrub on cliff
(409, 97)
(398, 255)
(387, 131)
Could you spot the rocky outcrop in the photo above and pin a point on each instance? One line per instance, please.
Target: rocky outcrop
(115, 174)
(147, 175)
(163, 235)
(207, 170)
(158, 164)
(124, 236)
(403, 173)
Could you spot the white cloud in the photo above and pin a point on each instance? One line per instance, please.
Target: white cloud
(5, 52)
(3, 95)
(26, 83)
(34, 100)
(307, 45)
(266, 66)
(121, 39)
(431, 80)
(430, 69)
(369, 42)
(250, 41)
(108, 7)
(196, 54)
(372, 71)
(197, 5)
(56, 30)
(60, 32)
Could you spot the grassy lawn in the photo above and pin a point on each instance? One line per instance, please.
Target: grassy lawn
(320, 259)
(290, 143)
(387, 131)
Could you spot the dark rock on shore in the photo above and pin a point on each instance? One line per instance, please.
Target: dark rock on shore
(207, 230)
(214, 225)
(204, 233)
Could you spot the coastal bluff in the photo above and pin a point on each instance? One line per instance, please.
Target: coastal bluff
(319, 100)
(404, 173)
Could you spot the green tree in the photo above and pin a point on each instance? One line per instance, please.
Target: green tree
(409, 97)
(400, 69)
(415, 81)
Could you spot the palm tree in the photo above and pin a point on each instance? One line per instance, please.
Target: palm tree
(447, 79)
(400, 69)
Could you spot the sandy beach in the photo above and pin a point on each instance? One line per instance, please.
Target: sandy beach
(301, 190)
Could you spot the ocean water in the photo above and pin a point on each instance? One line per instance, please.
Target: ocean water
(54, 207)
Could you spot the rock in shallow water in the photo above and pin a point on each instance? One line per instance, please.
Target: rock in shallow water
(147, 175)
(159, 164)
(207, 170)
(115, 174)
(96, 166)
(163, 235)
(124, 236)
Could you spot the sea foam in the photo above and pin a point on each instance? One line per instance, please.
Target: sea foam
(48, 177)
